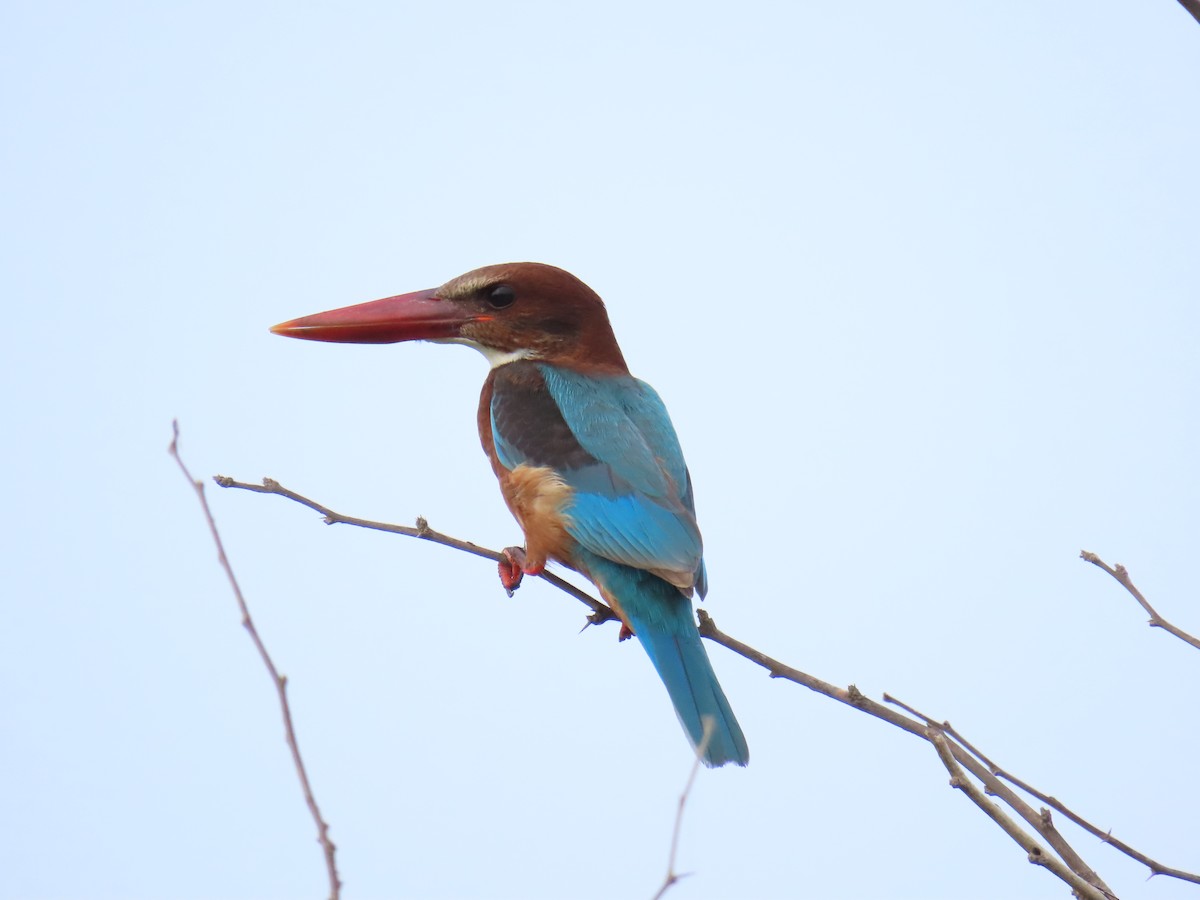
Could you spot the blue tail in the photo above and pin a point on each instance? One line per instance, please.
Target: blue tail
(662, 620)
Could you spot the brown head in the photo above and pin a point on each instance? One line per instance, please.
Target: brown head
(507, 312)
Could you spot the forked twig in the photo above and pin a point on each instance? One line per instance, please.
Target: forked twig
(280, 681)
(1037, 855)
(852, 696)
(1155, 868)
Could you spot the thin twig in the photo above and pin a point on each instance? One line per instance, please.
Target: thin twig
(972, 760)
(280, 681)
(1037, 855)
(946, 727)
(701, 748)
(1155, 868)
(1120, 573)
(600, 611)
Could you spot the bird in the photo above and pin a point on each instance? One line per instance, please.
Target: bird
(586, 455)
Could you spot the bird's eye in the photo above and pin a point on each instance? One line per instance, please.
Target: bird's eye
(501, 296)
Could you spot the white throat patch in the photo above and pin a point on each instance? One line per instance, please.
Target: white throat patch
(495, 358)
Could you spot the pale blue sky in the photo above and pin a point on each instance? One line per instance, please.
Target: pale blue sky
(918, 284)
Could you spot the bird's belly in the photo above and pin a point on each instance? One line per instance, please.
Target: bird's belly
(538, 496)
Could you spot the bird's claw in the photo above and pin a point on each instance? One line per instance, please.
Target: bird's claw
(626, 633)
(513, 567)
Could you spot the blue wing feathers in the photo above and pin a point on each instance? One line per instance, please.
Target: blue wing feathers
(623, 422)
(637, 533)
(646, 518)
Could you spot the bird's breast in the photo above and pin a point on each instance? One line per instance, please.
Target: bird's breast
(538, 498)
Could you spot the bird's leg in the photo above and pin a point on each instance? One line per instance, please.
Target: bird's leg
(626, 633)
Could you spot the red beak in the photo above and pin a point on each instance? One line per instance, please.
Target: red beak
(419, 316)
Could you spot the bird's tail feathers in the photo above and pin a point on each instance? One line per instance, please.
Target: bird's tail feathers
(684, 668)
(662, 619)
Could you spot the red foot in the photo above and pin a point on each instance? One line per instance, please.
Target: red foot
(626, 633)
(511, 569)
(514, 567)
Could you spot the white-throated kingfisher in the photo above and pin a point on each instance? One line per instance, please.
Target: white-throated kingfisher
(587, 458)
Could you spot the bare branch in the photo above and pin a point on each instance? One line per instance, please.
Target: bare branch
(600, 611)
(1042, 821)
(1106, 836)
(280, 681)
(852, 696)
(963, 753)
(1192, 6)
(1037, 855)
(672, 876)
(1120, 573)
